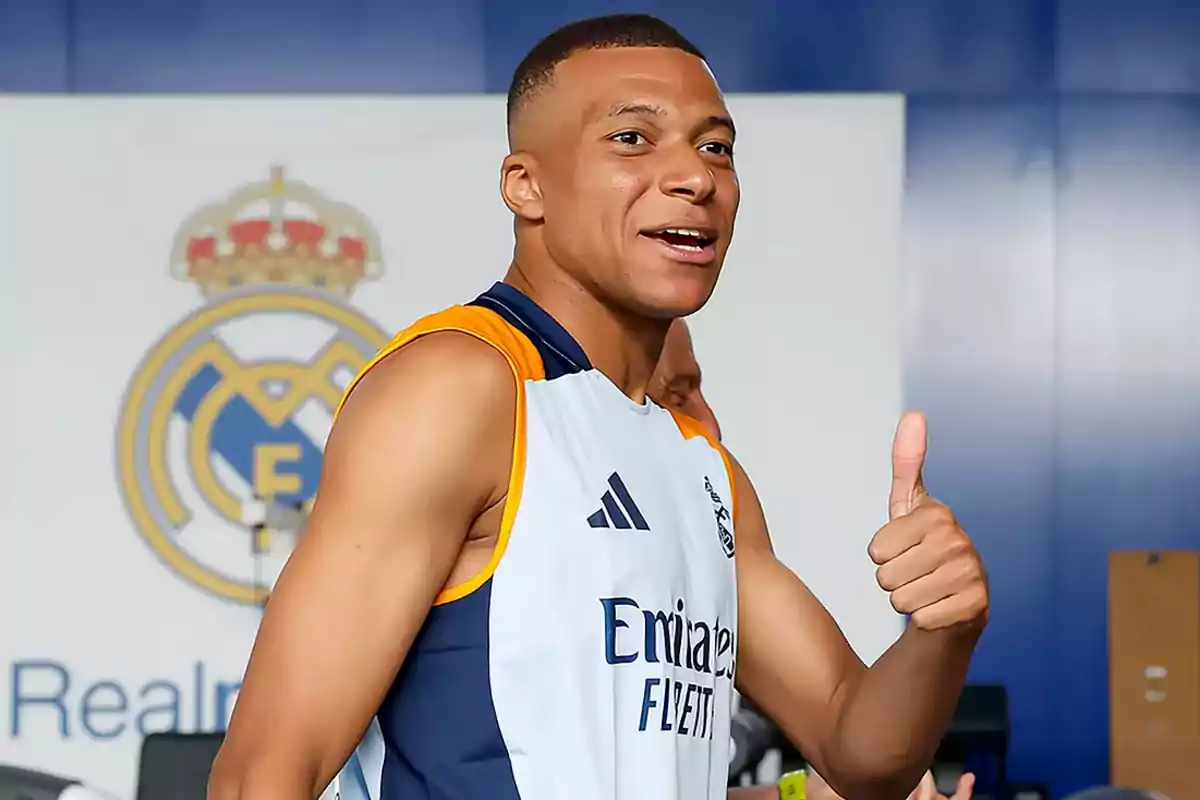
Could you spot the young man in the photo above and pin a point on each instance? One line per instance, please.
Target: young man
(677, 383)
(527, 581)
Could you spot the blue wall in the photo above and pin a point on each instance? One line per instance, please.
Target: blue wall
(1053, 245)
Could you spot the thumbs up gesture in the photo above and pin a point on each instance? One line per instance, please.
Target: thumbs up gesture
(926, 561)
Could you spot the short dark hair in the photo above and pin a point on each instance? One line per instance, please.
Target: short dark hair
(599, 33)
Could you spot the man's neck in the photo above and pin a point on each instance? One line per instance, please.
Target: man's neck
(623, 346)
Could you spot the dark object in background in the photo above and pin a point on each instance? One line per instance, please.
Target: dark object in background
(1028, 791)
(25, 784)
(980, 729)
(752, 736)
(175, 766)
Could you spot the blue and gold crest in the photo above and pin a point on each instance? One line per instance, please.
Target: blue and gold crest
(232, 406)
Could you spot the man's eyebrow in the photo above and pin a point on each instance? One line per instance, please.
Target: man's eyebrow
(721, 121)
(649, 109)
(653, 110)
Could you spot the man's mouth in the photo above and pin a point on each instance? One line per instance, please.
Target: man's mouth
(693, 245)
(693, 238)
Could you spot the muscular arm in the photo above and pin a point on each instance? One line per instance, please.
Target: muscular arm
(417, 454)
(870, 732)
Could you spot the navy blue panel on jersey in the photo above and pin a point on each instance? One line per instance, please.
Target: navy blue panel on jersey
(561, 354)
(438, 717)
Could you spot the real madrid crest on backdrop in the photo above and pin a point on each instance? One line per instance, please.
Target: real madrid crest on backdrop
(233, 404)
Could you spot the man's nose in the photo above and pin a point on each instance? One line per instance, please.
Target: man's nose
(688, 177)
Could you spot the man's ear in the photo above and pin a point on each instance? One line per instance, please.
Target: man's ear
(519, 186)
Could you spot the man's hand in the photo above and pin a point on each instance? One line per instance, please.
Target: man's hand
(927, 789)
(926, 561)
(871, 732)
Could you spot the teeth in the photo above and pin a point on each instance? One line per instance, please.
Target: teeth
(684, 232)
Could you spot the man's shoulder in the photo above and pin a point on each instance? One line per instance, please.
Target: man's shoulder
(445, 372)
(468, 346)
(437, 415)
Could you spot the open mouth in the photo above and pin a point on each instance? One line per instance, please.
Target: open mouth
(686, 239)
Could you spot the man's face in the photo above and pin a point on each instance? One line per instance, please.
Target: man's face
(637, 179)
(676, 380)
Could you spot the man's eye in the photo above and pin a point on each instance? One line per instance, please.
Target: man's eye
(629, 138)
(718, 149)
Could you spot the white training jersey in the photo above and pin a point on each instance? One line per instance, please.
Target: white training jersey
(593, 657)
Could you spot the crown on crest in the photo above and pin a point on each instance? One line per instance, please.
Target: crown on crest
(277, 233)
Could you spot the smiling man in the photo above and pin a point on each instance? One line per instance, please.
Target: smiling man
(522, 579)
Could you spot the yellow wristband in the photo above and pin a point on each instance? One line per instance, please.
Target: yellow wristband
(791, 786)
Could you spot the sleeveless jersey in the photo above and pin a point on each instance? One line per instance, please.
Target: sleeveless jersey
(593, 657)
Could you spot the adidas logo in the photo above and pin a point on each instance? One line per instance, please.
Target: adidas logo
(618, 509)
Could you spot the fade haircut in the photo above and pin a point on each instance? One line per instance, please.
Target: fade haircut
(536, 70)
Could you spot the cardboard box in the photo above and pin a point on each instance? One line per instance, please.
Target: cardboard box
(1154, 671)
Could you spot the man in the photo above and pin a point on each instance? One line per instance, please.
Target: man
(677, 380)
(677, 383)
(522, 577)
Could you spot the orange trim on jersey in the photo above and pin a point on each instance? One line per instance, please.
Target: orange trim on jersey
(526, 365)
(692, 428)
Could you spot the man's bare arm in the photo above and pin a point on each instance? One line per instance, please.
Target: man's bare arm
(870, 732)
(420, 450)
(793, 660)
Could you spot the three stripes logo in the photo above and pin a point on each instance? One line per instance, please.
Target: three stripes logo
(618, 509)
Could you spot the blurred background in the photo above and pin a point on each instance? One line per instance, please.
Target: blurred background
(985, 209)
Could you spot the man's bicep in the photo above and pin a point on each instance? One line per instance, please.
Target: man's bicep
(421, 448)
(793, 660)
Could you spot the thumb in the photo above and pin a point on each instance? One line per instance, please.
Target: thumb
(966, 786)
(926, 789)
(908, 457)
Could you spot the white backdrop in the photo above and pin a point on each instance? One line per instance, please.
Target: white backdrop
(103, 638)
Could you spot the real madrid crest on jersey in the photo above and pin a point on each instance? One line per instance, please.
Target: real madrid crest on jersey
(723, 518)
(231, 408)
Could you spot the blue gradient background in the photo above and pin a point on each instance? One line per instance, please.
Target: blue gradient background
(1052, 286)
